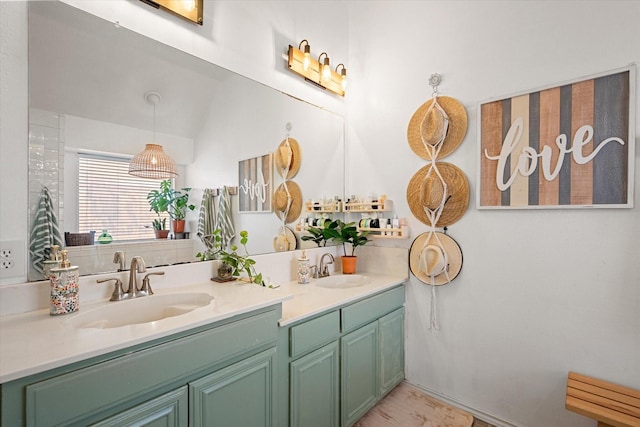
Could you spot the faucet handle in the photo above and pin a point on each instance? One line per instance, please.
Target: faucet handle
(119, 258)
(146, 283)
(314, 268)
(118, 294)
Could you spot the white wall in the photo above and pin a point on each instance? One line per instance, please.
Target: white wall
(540, 292)
(13, 128)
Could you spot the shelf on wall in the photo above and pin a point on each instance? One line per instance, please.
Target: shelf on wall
(396, 233)
(364, 207)
(331, 207)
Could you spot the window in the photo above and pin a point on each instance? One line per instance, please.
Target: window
(109, 198)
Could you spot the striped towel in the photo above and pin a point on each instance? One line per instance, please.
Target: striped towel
(224, 219)
(206, 220)
(45, 232)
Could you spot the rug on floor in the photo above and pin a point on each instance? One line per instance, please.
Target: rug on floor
(407, 406)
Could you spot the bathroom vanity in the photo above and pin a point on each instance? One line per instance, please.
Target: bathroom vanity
(341, 362)
(300, 355)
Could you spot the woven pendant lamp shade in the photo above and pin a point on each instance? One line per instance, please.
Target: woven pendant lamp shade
(153, 163)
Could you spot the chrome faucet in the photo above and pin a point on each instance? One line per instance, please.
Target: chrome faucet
(137, 266)
(119, 258)
(324, 269)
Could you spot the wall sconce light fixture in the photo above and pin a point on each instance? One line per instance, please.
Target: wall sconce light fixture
(318, 71)
(190, 10)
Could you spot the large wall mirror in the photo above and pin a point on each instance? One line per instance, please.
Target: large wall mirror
(87, 80)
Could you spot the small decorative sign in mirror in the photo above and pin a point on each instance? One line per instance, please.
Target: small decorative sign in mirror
(187, 9)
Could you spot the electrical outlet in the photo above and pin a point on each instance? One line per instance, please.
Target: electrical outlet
(12, 259)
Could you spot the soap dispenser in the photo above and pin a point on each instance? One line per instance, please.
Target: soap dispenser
(64, 287)
(53, 262)
(303, 269)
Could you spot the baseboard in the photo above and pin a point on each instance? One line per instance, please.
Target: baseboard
(481, 415)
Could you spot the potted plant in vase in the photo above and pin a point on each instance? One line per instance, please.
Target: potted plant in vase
(241, 263)
(159, 202)
(321, 235)
(179, 203)
(348, 233)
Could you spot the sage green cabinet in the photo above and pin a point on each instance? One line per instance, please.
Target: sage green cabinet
(372, 362)
(169, 410)
(315, 389)
(391, 350)
(219, 374)
(342, 362)
(359, 381)
(241, 395)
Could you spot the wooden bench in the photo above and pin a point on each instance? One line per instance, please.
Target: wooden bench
(609, 404)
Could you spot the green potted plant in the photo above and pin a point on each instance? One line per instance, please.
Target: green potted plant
(343, 233)
(321, 235)
(241, 263)
(349, 233)
(174, 202)
(179, 203)
(159, 202)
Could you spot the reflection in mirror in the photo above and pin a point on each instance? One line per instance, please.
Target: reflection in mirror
(87, 80)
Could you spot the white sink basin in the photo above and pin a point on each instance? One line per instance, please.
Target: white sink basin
(342, 281)
(140, 310)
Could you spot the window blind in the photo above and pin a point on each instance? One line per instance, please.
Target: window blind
(111, 199)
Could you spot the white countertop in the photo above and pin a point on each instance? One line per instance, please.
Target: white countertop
(310, 299)
(35, 341)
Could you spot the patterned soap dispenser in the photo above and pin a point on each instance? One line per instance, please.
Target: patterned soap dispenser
(53, 262)
(303, 269)
(64, 287)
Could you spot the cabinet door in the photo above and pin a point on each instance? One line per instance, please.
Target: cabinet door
(169, 410)
(391, 336)
(314, 389)
(242, 394)
(359, 380)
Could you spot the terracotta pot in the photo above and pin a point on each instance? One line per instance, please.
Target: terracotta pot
(161, 234)
(349, 264)
(178, 225)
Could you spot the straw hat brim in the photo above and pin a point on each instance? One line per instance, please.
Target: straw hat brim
(456, 131)
(296, 159)
(457, 188)
(296, 201)
(289, 242)
(450, 247)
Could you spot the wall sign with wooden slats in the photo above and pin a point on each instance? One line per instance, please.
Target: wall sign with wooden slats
(560, 147)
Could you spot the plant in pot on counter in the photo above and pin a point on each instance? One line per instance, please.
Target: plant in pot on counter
(159, 201)
(349, 233)
(179, 203)
(241, 263)
(321, 235)
(174, 202)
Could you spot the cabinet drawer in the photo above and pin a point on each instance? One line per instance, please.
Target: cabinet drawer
(314, 333)
(363, 312)
(72, 397)
(170, 409)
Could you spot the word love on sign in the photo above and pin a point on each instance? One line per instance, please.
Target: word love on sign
(255, 184)
(566, 146)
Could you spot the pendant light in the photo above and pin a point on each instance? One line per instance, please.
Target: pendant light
(153, 162)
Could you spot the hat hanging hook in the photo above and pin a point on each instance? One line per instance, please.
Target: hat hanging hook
(434, 81)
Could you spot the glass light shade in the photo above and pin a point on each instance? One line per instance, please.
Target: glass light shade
(326, 70)
(153, 163)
